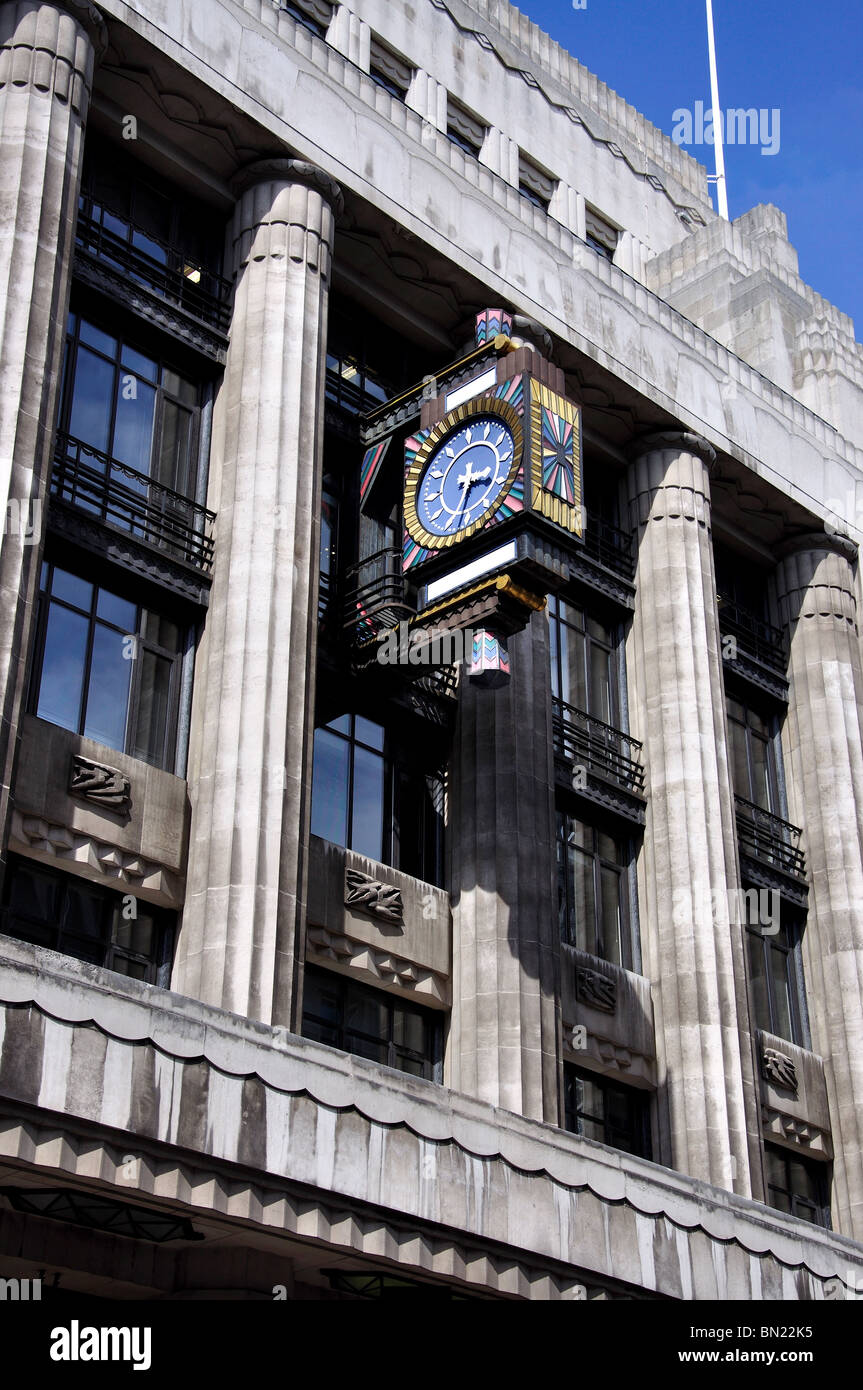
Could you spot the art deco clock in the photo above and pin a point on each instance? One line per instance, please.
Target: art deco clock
(462, 473)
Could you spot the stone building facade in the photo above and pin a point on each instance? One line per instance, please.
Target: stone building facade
(323, 978)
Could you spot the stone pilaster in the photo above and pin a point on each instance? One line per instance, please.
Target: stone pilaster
(823, 755)
(252, 722)
(47, 56)
(693, 954)
(503, 1040)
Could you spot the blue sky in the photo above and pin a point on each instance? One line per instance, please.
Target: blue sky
(804, 59)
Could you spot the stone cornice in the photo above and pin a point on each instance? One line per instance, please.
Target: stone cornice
(679, 441)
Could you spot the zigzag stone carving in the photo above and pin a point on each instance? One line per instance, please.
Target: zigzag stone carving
(323, 944)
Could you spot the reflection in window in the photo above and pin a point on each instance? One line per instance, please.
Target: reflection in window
(603, 1110)
(593, 890)
(370, 1023)
(88, 922)
(107, 668)
(797, 1185)
(372, 794)
(134, 408)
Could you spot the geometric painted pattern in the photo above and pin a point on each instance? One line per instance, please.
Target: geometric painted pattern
(555, 458)
(558, 475)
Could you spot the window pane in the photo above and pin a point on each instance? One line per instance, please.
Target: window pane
(369, 733)
(779, 968)
(84, 914)
(573, 690)
(150, 740)
(108, 695)
(117, 610)
(103, 342)
(133, 432)
(367, 823)
(32, 894)
(600, 684)
(93, 390)
(174, 463)
(609, 947)
(63, 666)
(134, 934)
(330, 787)
(138, 364)
(72, 589)
(185, 391)
(760, 774)
(584, 903)
(739, 762)
(760, 1001)
(161, 632)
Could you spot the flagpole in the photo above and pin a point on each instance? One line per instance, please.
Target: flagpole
(721, 189)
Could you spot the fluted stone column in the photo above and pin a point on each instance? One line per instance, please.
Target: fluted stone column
(252, 722)
(503, 1039)
(692, 951)
(823, 755)
(47, 55)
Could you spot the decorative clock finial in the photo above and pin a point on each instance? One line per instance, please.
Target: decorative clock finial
(490, 324)
(489, 665)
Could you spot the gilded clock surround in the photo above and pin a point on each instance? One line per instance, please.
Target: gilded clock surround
(449, 425)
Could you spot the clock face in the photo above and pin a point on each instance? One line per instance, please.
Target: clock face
(466, 476)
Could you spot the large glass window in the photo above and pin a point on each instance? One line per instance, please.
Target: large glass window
(753, 757)
(107, 667)
(593, 890)
(131, 406)
(603, 1110)
(370, 1023)
(88, 922)
(582, 661)
(372, 793)
(797, 1185)
(774, 973)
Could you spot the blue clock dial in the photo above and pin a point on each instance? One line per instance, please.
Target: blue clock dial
(465, 476)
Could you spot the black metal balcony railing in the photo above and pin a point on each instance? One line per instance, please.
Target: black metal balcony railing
(769, 839)
(375, 595)
(581, 738)
(609, 546)
(170, 273)
(757, 638)
(101, 486)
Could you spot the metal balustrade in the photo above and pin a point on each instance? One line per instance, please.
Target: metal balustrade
(768, 838)
(581, 738)
(758, 639)
(198, 291)
(101, 486)
(609, 546)
(375, 595)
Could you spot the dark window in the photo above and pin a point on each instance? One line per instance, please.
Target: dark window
(583, 661)
(774, 972)
(601, 235)
(593, 890)
(464, 129)
(92, 924)
(371, 793)
(739, 581)
(370, 1023)
(389, 70)
(106, 667)
(352, 385)
(798, 1186)
(130, 406)
(534, 183)
(603, 1110)
(314, 15)
(753, 757)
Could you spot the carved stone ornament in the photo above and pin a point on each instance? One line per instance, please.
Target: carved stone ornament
(102, 785)
(381, 900)
(597, 991)
(779, 1069)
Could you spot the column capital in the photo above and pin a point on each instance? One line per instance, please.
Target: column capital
(287, 172)
(679, 441)
(832, 542)
(90, 20)
(42, 50)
